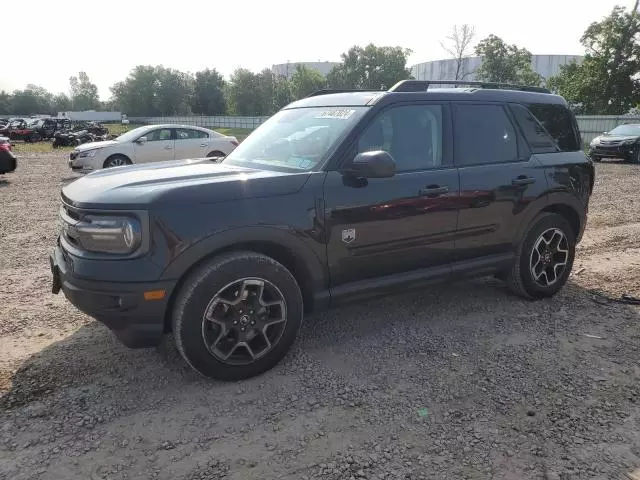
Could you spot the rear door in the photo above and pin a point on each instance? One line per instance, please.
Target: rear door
(191, 143)
(158, 147)
(499, 178)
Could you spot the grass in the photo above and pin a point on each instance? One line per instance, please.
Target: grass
(114, 129)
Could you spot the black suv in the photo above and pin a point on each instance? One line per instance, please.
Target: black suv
(338, 196)
(621, 142)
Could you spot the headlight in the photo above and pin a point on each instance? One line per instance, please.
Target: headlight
(106, 234)
(594, 142)
(89, 153)
(629, 142)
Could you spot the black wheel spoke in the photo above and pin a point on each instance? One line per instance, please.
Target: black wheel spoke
(244, 320)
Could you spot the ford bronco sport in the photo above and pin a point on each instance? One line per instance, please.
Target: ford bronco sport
(338, 196)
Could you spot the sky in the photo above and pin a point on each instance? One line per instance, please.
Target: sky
(108, 40)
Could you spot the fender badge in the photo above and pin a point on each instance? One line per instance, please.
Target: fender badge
(349, 235)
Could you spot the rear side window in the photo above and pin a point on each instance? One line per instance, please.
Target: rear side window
(537, 136)
(484, 134)
(557, 120)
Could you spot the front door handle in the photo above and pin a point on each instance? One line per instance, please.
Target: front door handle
(168, 147)
(204, 144)
(433, 191)
(522, 180)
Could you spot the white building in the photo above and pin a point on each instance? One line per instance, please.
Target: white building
(545, 65)
(288, 69)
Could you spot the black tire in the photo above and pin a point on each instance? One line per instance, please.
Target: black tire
(116, 161)
(204, 285)
(520, 278)
(216, 153)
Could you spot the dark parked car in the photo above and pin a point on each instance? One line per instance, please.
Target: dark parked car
(8, 162)
(336, 197)
(621, 142)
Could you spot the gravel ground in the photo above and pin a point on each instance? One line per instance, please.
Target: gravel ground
(460, 381)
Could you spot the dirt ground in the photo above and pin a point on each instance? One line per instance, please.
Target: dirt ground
(458, 381)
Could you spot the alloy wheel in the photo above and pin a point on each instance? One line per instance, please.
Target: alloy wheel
(244, 321)
(549, 257)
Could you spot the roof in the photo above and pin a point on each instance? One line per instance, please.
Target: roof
(365, 98)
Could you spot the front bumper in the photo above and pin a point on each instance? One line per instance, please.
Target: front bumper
(122, 307)
(8, 162)
(619, 151)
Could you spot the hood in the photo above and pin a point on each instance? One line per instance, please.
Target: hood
(91, 145)
(615, 138)
(184, 182)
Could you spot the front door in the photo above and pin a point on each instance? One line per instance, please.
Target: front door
(158, 147)
(380, 227)
(191, 143)
(499, 178)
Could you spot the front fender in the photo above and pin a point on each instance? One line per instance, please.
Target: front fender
(315, 268)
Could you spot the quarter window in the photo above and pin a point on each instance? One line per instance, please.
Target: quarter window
(484, 134)
(537, 136)
(411, 134)
(557, 120)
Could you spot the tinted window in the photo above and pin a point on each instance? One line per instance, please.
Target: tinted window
(484, 134)
(411, 134)
(626, 130)
(188, 134)
(557, 120)
(537, 136)
(159, 135)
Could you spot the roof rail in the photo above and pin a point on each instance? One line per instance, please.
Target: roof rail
(423, 85)
(327, 91)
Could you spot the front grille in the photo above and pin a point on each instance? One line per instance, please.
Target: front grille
(73, 155)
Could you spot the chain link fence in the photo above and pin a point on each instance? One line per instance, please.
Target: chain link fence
(249, 123)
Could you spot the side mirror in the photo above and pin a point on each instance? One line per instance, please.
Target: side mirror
(376, 164)
(141, 140)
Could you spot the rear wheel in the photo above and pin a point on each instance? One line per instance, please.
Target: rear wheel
(237, 316)
(116, 161)
(215, 153)
(544, 258)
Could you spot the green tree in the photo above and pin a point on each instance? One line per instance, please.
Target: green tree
(208, 95)
(84, 94)
(606, 82)
(504, 63)
(153, 91)
(61, 103)
(305, 81)
(32, 100)
(281, 92)
(370, 67)
(242, 92)
(6, 105)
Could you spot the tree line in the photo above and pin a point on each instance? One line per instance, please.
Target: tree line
(606, 82)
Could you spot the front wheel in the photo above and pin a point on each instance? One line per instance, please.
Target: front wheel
(237, 316)
(116, 161)
(544, 259)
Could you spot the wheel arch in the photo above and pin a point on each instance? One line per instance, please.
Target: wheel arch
(279, 244)
(563, 204)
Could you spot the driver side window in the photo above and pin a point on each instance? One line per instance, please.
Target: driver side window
(412, 134)
(159, 135)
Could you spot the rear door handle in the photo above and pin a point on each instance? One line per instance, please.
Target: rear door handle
(204, 144)
(522, 180)
(433, 191)
(168, 147)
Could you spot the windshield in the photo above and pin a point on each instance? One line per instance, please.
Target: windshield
(626, 130)
(295, 140)
(131, 135)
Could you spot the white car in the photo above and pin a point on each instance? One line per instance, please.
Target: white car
(152, 143)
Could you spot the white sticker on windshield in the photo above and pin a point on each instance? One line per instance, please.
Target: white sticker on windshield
(342, 113)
